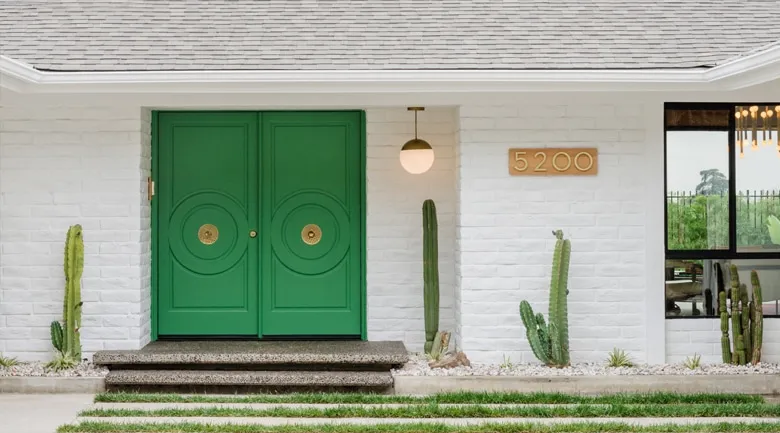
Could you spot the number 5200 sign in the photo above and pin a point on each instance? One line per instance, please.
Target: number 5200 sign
(553, 161)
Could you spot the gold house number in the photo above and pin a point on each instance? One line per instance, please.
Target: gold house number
(553, 162)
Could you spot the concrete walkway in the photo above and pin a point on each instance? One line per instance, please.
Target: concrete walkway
(40, 413)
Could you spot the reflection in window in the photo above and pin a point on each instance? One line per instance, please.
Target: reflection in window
(692, 286)
(697, 190)
(757, 178)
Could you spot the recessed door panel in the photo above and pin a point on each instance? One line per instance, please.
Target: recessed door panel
(208, 203)
(311, 189)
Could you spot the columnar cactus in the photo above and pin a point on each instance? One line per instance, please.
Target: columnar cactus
(747, 321)
(746, 314)
(430, 273)
(65, 336)
(550, 343)
(758, 319)
(725, 342)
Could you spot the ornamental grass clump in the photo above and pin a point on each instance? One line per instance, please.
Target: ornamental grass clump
(619, 358)
(550, 342)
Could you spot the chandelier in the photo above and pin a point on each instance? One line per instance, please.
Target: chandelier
(755, 124)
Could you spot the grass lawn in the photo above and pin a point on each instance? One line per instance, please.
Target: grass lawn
(458, 397)
(96, 427)
(433, 410)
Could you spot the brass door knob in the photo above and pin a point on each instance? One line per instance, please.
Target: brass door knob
(252, 233)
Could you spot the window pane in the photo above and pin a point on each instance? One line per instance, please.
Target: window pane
(697, 211)
(692, 285)
(758, 179)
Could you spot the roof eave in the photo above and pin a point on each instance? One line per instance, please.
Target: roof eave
(740, 73)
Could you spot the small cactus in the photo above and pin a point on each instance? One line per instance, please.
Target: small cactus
(56, 336)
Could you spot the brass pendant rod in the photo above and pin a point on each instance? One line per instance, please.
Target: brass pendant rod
(415, 124)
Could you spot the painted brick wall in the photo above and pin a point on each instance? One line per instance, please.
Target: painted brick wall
(66, 164)
(504, 231)
(395, 197)
(686, 337)
(61, 165)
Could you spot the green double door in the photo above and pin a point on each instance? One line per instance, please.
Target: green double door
(259, 226)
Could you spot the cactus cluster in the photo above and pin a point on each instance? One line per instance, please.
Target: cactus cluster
(65, 336)
(550, 342)
(430, 273)
(747, 321)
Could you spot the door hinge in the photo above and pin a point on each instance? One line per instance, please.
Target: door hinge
(149, 187)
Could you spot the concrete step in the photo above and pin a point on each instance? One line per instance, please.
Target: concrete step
(265, 355)
(339, 379)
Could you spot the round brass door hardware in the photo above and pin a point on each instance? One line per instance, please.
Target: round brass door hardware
(208, 234)
(252, 233)
(311, 234)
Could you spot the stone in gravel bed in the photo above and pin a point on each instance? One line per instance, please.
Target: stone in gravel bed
(418, 366)
(36, 369)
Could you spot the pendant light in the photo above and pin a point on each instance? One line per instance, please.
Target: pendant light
(416, 155)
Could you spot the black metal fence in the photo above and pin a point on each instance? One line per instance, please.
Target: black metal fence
(702, 221)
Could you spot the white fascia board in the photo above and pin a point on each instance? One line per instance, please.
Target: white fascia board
(743, 72)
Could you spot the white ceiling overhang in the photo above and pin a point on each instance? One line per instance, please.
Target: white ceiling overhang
(736, 74)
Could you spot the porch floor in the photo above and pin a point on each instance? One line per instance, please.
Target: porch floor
(260, 352)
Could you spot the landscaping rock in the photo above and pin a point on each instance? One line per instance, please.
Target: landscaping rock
(451, 360)
(37, 369)
(419, 365)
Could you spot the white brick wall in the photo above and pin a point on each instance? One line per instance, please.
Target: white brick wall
(505, 228)
(394, 243)
(67, 164)
(61, 165)
(686, 337)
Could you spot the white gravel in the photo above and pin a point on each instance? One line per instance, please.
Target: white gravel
(36, 369)
(418, 366)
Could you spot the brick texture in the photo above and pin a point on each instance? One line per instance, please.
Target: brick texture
(505, 224)
(61, 165)
(686, 337)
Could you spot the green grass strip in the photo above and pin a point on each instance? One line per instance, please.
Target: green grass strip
(99, 427)
(458, 397)
(435, 411)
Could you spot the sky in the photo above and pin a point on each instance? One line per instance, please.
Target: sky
(689, 152)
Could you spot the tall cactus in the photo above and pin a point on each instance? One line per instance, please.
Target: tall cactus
(430, 272)
(550, 342)
(758, 319)
(725, 342)
(746, 312)
(66, 338)
(747, 321)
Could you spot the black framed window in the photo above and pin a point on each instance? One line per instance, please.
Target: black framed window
(722, 203)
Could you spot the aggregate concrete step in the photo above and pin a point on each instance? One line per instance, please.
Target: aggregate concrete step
(261, 354)
(379, 379)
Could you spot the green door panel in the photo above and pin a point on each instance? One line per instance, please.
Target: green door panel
(311, 223)
(207, 192)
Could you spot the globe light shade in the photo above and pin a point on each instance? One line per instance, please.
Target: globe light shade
(416, 156)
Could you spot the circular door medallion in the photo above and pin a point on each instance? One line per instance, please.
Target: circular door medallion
(195, 241)
(311, 234)
(208, 234)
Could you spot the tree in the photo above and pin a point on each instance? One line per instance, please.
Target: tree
(712, 182)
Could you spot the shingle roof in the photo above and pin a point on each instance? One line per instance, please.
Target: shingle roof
(106, 35)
